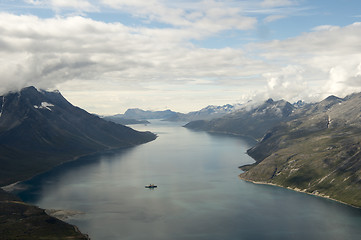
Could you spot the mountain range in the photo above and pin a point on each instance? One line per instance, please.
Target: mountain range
(314, 148)
(139, 114)
(136, 115)
(250, 120)
(207, 113)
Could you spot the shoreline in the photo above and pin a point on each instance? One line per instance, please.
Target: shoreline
(299, 191)
(317, 194)
(63, 215)
(12, 186)
(226, 133)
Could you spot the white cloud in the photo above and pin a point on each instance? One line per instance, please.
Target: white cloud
(76, 4)
(273, 18)
(287, 83)
(60, 5)
(51, 53)
(330, 59)
(35, 2)
(78, 54)
(276, 3)
(326, 28)
(207, 16)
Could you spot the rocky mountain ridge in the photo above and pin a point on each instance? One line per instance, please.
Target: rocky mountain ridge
(206, 113)
(250, 120)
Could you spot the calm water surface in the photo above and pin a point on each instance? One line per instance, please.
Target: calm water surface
(199, 194)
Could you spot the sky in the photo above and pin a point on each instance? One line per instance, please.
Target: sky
(110, 55)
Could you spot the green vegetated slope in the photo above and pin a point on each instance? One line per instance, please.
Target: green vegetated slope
(317, 152)
(20, 221)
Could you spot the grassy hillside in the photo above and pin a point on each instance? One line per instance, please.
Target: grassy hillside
(319, 153)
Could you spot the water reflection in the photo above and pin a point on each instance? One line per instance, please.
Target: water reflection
(63, 175)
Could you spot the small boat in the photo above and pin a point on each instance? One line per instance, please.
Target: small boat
(151, 186)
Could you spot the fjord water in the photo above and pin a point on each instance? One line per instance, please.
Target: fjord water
(199, 194)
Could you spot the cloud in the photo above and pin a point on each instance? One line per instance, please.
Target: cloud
(208, 16)
(325, 28)
(287, 83)
(276, 3)
(329, 57)
(75, 4)
(51, 52)
(159, 62)
(35, 2)
(61, 5)
(273, 18)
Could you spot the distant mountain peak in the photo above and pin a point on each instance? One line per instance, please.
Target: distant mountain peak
(332, 98)
(299, 104)
(270, 101)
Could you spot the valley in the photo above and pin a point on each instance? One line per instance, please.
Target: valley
(310, 147)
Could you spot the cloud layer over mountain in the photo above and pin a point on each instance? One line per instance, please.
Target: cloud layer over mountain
(164, 57)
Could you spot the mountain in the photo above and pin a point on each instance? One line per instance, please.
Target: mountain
(250, 120)
(317, 152)
(40, 129)
(136, 113)
(207, 113)
(210, 112)
(118, 118)
(299, 104)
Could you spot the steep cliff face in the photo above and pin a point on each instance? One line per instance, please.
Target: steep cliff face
(40, 129)
(317, 152)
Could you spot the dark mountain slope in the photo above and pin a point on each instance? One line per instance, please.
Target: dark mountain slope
(40, 129)
(318, 152)
(248, 121)
(19, 220)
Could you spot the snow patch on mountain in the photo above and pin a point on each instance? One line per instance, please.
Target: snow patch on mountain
(2, 106)
(44, 105)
